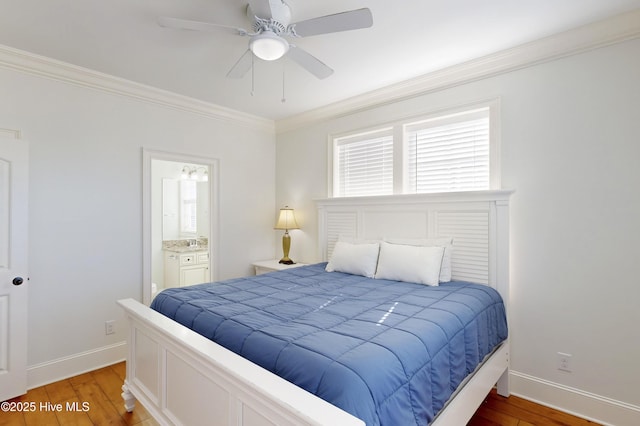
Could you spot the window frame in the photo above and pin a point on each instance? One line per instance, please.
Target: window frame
(400, 155)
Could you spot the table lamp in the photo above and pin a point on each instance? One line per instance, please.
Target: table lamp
(286, 221)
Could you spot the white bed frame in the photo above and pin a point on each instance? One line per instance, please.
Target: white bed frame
(182, 378)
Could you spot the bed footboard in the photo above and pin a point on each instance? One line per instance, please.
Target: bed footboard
(494, 371)
(182, 378)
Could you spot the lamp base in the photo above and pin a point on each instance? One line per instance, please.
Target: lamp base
(286, 245)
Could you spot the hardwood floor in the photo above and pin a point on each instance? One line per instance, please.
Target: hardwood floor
(94, 399)
(99, 390)
(515, 411)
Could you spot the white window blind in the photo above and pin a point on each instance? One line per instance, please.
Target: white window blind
(364, 164)
(456, 150)
(448, 153)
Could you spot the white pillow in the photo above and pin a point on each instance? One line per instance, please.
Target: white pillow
(446, 242)
(416, 264)
(357, 259)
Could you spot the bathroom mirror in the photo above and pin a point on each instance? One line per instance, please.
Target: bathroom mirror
(185, 212)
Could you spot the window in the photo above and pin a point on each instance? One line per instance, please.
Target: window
(448, 153)
(365, 164)
(455, 151)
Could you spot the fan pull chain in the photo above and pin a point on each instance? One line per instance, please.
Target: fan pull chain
(252, 75)
(284, 98)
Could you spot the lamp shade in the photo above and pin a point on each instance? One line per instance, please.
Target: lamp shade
(286, 220)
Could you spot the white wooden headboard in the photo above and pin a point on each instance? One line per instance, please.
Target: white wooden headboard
(478, 222)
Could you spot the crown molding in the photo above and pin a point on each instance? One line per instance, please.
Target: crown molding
(588, 37)
(41, 66)
(10, 134)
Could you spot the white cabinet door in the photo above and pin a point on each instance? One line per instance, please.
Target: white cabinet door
(13, 267)
(194, 275)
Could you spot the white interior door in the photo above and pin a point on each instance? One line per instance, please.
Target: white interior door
(13, 267)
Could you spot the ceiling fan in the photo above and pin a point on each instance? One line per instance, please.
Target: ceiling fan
(271, 23)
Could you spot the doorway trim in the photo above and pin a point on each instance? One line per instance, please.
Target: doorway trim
(214, 165)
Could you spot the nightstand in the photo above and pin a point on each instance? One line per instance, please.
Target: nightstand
(265, 266)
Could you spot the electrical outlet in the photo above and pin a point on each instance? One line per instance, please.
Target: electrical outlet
(108, 327)
(564, 362)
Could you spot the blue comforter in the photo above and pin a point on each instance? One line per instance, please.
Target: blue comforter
(388, 352)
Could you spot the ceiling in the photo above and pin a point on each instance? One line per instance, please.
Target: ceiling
(409, 38)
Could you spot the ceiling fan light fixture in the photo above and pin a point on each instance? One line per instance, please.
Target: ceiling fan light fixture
(268, 46)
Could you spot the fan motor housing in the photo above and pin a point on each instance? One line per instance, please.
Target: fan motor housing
(280, 17)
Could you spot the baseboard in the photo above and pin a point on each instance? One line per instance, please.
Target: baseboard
(69, 366)
(574, 401)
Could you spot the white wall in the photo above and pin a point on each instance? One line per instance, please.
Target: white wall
(571, 150)
(85, 206)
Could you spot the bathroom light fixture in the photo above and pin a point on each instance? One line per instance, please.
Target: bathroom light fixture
(286, 221)
(186, 171)
(194, 173)
(268, 46)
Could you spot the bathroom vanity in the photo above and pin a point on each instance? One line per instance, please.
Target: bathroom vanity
(186, 265)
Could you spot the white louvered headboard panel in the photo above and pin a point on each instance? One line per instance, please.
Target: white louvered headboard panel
(477, 221)
(470, 232)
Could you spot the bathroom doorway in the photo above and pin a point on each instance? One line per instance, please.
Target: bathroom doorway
(180, 221)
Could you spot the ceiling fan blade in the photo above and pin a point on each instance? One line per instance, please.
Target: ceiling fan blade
(309, 62)
(185, 24)
(241, 66)
(344, 21)
(262, 8)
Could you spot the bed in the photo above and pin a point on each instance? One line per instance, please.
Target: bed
(438, 373)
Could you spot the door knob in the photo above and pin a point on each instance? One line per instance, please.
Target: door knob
(17, 281)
